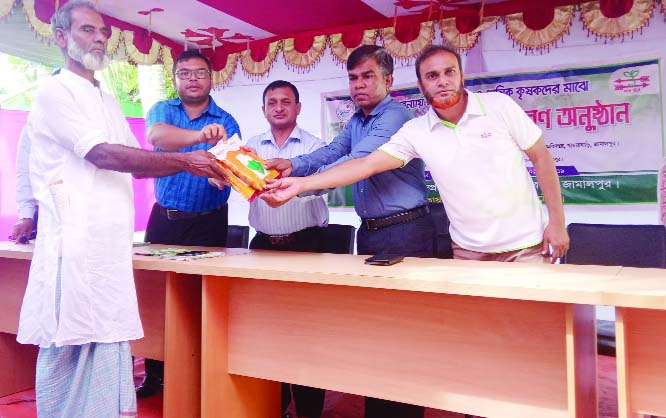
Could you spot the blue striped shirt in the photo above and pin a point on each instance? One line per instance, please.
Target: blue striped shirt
(184, 191)
(300, 212)
(385, 193)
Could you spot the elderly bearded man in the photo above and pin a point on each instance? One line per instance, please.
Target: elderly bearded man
(80, 304)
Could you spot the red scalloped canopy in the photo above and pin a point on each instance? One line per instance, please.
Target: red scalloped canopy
(221, 27)
(229, 25)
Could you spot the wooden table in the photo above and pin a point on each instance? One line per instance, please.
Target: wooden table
(170, 309)
(641, 345)
(16, 362)
(440, 333)
(490, 339)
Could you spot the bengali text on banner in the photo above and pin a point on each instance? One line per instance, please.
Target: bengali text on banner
(603, 125)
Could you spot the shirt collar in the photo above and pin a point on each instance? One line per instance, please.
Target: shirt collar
(212, 109)
(75, 78)
(379, 108)
(474, 104)
(474, 108)
(295, 134)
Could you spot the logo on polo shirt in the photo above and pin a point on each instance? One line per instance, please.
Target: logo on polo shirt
(486, 135)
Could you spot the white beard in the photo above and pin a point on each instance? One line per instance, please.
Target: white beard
(89, 60)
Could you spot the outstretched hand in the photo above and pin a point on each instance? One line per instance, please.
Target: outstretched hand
(557, 238)
(282, 165)
(204, 164)
(278, 192)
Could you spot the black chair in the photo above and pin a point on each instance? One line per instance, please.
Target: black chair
(616, 245)
(238, 236)
(339, 239)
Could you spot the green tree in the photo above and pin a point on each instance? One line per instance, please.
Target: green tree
(121, 80)
(171, 93)
(20, 80)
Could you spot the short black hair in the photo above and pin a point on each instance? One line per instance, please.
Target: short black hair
(431, 50)
(279, 84)
(366, 52)
(188, 55)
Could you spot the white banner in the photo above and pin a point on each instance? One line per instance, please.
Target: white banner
(603, 124)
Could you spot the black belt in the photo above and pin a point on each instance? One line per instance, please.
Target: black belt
(396, 218)
(176, 215)
(286, 239)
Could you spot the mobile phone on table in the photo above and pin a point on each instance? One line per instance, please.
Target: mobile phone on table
(384, 259)
(192, 253)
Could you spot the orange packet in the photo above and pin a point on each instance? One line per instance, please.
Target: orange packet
(246, 170)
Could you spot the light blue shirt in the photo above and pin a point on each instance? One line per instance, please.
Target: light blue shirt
(300, 212)
(385, 193)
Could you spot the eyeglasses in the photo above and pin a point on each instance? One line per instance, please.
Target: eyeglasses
(187, 74)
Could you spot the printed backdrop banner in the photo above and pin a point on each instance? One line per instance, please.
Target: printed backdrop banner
(603, 125)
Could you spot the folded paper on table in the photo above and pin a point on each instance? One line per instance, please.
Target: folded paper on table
(183, 254)
(246, 170)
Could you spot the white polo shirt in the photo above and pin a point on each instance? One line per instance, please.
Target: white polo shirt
(479, 168)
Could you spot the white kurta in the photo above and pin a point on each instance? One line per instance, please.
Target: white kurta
(86, 218)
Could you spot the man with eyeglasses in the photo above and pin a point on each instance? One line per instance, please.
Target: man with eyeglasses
(188, 211)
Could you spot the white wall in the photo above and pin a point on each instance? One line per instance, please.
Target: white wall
(494, 52)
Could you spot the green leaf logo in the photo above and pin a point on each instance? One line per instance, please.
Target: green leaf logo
(255, 165)
(631, 74)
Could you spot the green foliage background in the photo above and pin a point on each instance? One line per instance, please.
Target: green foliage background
(21, 78)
